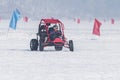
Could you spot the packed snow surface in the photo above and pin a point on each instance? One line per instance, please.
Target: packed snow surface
(94, 58)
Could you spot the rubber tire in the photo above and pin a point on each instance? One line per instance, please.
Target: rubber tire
(71, 47)
(34, 44)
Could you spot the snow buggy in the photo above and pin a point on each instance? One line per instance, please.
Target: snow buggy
(46, 36)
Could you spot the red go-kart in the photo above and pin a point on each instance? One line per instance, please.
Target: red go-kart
(47, 36)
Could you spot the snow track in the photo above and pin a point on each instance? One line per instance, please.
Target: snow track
(94, 58)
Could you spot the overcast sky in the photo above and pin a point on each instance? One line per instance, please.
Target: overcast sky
(62, 8)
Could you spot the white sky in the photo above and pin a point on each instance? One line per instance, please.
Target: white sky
(69, 8)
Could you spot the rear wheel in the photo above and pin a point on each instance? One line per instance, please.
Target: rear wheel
(34, 44)
(58, 48)
(71, 47)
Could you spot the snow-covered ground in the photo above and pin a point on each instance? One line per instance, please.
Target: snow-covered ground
(94, 58)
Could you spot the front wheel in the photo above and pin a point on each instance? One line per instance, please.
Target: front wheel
(33, 44)
(71, 47)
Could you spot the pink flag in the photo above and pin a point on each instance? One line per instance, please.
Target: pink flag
(112, 21)
(25, 19)
(78, 20)
(96, 28)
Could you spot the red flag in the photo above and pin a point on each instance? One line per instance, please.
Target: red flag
(112, 21)
(25, 19)
(78, 20)
(96, 29)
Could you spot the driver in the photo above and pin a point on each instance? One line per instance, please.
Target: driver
(55, 33)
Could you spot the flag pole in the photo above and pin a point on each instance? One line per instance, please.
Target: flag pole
(8, 31)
